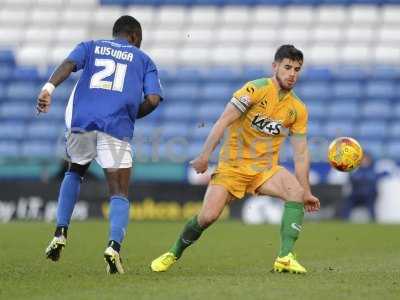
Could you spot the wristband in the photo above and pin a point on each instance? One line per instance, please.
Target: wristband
(49, 87)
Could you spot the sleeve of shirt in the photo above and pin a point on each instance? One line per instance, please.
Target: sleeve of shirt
(299, 127)
(79, 56)
(152, 84)
(245, 97)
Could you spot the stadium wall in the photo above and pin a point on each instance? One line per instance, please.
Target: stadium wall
(31, 200)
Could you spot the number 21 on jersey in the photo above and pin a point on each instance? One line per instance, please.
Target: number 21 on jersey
(110, 68)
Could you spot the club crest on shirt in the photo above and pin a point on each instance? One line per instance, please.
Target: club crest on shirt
(268, 126)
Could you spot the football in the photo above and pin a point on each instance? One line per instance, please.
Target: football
(345, 154)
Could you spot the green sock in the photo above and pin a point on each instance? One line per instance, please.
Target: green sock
(292, 219)
(191, 232)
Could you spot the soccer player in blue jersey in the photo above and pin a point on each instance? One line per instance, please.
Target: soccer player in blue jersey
(100, 118)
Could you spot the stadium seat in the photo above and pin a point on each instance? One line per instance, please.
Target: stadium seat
(12, 130)
(338, 128)
(17, 111)
(32, 55)
(392, 150)
(6, 58)
(372, 129)
(394, 130)
(178, 111)
(45, 131)
(22, 91)
(351, 72)
(38, 149)
(343, 109)
(380, 89)
(375, 147)
(26, 74)
(316, 109)
(183, 92)
(216, 93)
(376, 109)
(9, 149)
(209, 112)
(347, 89)
(6, 72)
(314, 91)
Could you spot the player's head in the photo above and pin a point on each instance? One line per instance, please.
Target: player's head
(129, 28)
(287, 65)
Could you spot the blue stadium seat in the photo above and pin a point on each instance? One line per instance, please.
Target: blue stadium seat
(6, 72)
(343, 109)
(251, 73)
(209, 112)
(45, 130)
(338, 128)
(314, 91)
(7, 57)
(396, 111)
(393, 150)
(351, 73)
(385, 73)
(173, 150)
(183, 92)
(216, 92)
(186, 74)
(166, 76)
(2, 91)
(315, 128)
(315, 73)
(9, 149)
(178, 111)
(376, 109)
(222, 74)
(316, 109)
(200, 131)
(24, 73)
(38, 149)
(374, 147)
(194, 149)
(12, 130)
(56, 113)
(380, 89)
(372, 129)
(347, 89)
(17, 110)
(174, 130)
(22, 91)
(146, 132)
(394, 130)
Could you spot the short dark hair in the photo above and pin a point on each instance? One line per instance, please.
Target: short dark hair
(126, 25)
(290, 52)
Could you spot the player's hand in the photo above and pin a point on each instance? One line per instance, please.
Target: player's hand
(200, 164)
(311, 203)
(43, 102)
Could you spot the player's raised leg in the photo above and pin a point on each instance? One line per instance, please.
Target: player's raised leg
(68, 195)
(215, 199)
(284, 185)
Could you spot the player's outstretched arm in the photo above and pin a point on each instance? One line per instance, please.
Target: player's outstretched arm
(148, 105)
(60, 74)
(302, 170)
(230, 114)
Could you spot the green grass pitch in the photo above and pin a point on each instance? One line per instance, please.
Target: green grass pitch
(231, 261)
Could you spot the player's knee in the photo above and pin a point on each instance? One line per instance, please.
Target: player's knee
(205, 219)
(296, 194)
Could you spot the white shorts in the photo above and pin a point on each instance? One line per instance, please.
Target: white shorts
(108, 151)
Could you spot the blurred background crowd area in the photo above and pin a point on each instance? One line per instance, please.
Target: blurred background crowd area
(205, 50)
